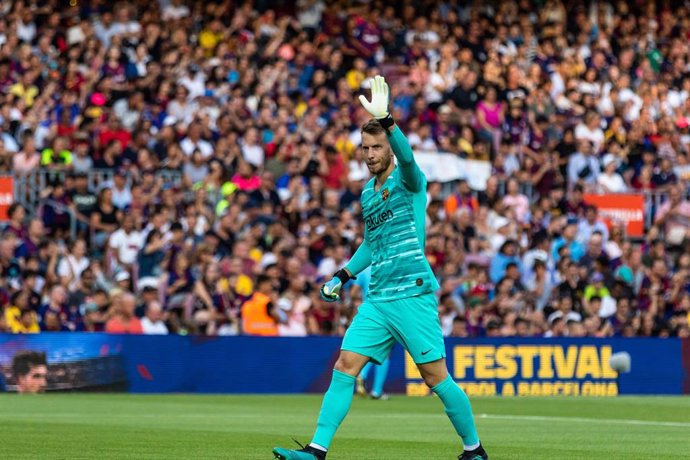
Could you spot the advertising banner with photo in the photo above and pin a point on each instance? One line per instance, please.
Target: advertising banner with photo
(189, 364)
(626, 208)
(75, 362)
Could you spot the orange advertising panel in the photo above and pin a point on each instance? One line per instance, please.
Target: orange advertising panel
(6, 195)
(621, 208)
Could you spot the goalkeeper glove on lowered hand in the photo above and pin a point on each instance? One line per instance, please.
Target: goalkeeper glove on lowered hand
(330, 292)
(378, 106)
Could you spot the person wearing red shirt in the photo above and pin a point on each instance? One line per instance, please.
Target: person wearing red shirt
(336, 169)
(123, 320)
(114, 131)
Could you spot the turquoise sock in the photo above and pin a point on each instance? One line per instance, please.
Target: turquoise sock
(364, 373)
(380, 374)
(458, 409)
(336, 404)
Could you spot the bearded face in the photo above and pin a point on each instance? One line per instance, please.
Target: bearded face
(377, 152)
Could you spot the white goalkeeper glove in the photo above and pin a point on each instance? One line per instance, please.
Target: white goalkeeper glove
(378, 107)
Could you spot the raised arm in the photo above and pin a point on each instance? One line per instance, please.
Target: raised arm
(412, 176)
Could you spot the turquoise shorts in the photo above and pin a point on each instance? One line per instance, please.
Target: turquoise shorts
(413, 322)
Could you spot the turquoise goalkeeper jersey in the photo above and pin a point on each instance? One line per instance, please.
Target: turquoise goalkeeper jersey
(394, 230)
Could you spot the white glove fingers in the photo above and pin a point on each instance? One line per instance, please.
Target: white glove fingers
(365, 103)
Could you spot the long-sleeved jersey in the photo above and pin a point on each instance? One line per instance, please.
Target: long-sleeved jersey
(394, 230)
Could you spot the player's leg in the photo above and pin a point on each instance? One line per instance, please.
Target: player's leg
(417, 327)
(380, 374)
(457, 406)
(338, 399)
(335, 406)
(365, 339)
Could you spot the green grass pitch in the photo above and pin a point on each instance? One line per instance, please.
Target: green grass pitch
(110, 426)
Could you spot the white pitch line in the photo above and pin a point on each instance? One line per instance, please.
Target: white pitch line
(539, 418)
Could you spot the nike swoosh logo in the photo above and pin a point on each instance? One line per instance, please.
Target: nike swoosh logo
(425, 352)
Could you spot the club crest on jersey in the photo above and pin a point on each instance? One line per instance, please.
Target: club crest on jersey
(385, 194)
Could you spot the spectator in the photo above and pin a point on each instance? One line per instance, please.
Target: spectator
(15, 227)
(197, 118)
(609, 180)
(674, 216)
(568, 241)
(54, 315)
(122, 319)
(209, 307)
(507, 254)
(19, 317)
(121, 192)
(259, 313)
(590, 225)
(516, 201)
(28, 247)
(489, 116)
(28, 158)
(104, 219)
(583, 166)
(72, 265)
(152, 322)
(125, 244)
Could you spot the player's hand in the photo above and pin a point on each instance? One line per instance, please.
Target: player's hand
(330, 292)
(378, 106)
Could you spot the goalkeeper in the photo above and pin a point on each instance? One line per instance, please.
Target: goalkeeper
(401, 305)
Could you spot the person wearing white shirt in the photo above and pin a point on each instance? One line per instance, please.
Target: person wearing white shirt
(591, 130)
(126, 242)
(193, 142)
(334, 258)
(152, 323)
(252, 152)
(124, 25)
(175, 10)
(194, 81)
(677, 97)
(295, 326)
(26, 28)
(310, 12)
(122, 193)
(582, 165)
(609, 181)
(439, 82)
(73, 264)
(182, 109)
(357, 167)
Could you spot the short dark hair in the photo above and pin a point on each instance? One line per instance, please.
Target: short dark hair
(373, 127)
(262, 278)
(26, 359)
(13, 208)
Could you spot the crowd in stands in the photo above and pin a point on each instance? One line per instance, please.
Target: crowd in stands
(230, 133)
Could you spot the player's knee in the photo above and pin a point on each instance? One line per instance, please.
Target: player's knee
(346, 365)
(432, 380)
